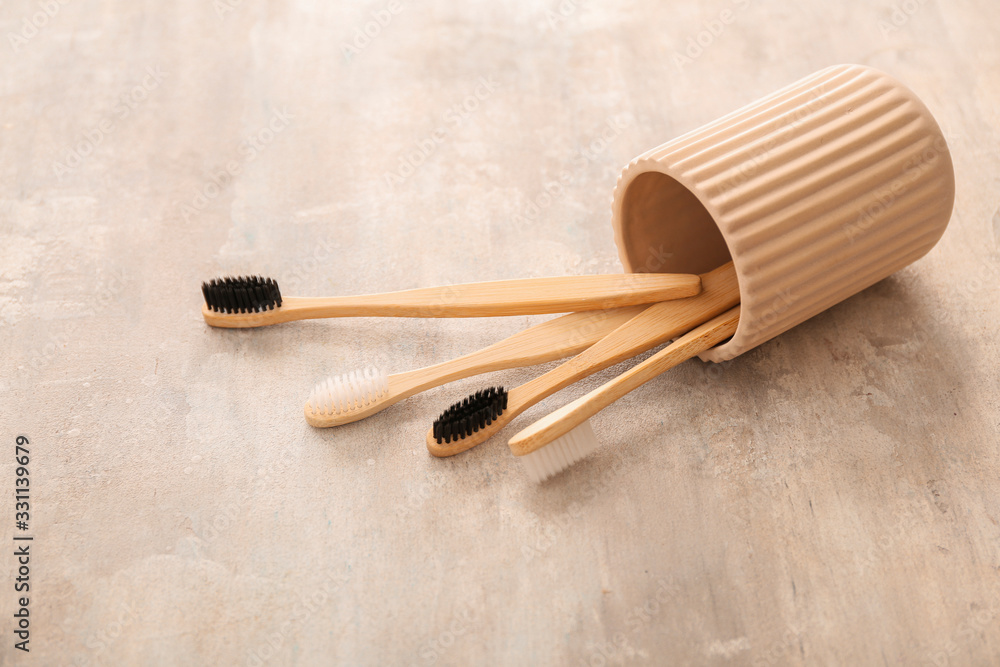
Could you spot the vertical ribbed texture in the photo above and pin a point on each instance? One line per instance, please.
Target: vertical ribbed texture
(820, 190)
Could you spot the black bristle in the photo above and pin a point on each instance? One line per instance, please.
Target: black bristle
(471, 414)
(242, 294)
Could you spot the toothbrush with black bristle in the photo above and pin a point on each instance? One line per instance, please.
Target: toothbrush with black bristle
(483, 414)
(560, 439)
(255, 301)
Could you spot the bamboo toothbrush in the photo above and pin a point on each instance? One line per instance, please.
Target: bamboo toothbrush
(481, 415)
(565, 436)
(359, 394)
(255, 301)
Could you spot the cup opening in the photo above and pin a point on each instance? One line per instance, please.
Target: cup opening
(666, 229)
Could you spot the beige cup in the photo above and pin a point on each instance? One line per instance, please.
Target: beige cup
(815, 192)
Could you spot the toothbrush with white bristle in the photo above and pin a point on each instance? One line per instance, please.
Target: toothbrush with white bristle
(352, 396)
(565, 436)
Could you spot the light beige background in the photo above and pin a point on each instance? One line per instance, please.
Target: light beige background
(829, 498)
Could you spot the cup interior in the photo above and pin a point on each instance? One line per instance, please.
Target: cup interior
(666, 229)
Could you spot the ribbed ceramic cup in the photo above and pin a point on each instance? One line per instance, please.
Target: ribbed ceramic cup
(815, 192)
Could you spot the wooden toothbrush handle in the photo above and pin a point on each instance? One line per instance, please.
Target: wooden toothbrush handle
(531, 296)
(655, 325)
(555, 339)
(565, 419)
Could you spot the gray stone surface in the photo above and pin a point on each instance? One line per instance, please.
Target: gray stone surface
(829, 498)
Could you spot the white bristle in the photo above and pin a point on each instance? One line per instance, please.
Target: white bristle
(350, 391)
(561, 453)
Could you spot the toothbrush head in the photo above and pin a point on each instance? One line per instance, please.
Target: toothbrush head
(468, 416)
(561, 453)
(337, 397)
(241, 294)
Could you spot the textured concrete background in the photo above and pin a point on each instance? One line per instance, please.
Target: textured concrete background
(829, 498)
